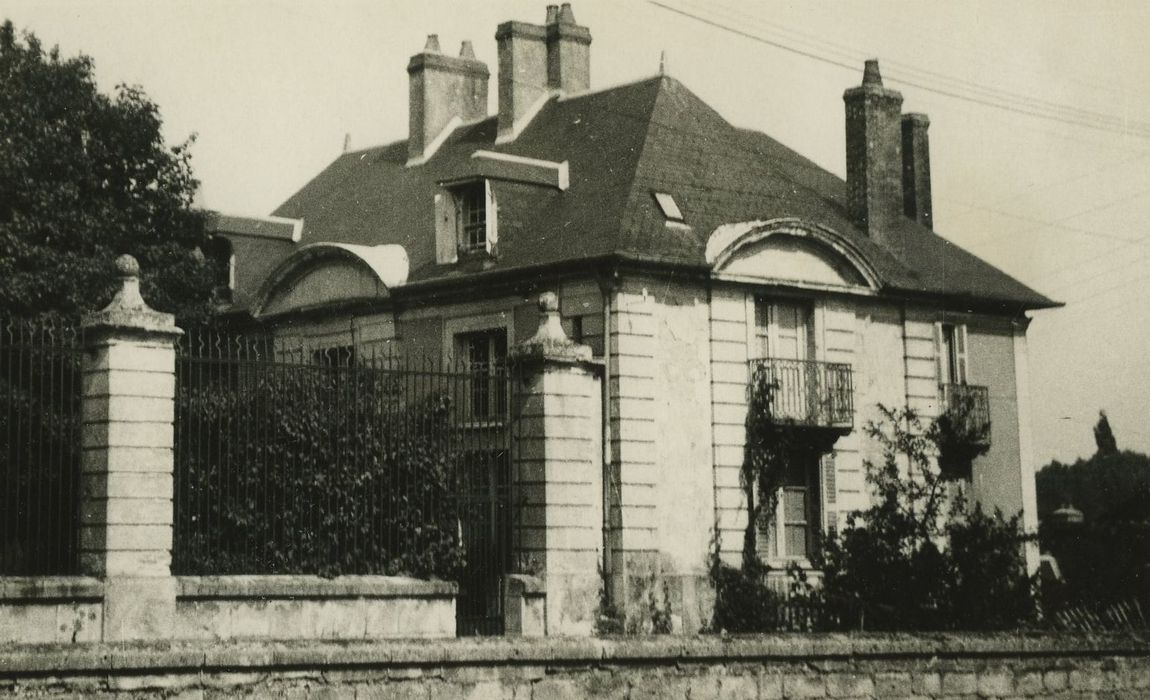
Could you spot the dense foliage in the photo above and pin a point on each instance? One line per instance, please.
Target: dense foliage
(1106, 558)
(85, 177)
(39, 447)
(918, 559)
(314, 470)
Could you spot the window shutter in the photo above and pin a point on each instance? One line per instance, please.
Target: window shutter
(829, 488)
(446, 243)
(492, 212)
(960, 353)
(939, 367)
(829, 493)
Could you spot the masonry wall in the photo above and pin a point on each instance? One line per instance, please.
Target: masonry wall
(795, 666)
(891, 349)
(661, 447)
(996, 479)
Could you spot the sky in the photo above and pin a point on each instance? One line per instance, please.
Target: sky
(273, 89)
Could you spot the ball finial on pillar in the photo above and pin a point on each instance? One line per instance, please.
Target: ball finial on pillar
(127, 266)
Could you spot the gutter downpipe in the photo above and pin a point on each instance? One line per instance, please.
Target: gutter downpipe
(607, 288)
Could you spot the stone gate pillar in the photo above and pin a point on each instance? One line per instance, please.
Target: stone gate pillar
(126, 461)
(558, 471)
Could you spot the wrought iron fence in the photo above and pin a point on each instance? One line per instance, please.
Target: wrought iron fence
(806, 392)
(40, 390)
(968, 408)
(303, 458)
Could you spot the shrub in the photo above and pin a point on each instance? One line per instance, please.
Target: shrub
(314, 470)
(915, 560)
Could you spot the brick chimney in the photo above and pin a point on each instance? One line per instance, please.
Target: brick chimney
(441, 89)
(874, 152)
(916, 169)
(568, 51)
(522, 74)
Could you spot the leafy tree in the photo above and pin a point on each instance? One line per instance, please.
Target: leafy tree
(1106, 558)
(1104, 436)
(85, 177)
(918, 558)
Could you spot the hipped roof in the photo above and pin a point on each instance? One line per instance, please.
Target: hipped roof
(622, 144)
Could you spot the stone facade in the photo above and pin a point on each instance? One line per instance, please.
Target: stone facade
(825, 666)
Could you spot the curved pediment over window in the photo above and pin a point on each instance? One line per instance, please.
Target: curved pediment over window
(790, 251)
(322, 274)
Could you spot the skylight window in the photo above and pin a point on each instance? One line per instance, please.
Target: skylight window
(669, 207)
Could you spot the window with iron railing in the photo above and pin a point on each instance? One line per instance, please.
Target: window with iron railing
(806, 392)
(967, 407)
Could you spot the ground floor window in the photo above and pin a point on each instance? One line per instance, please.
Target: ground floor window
(484, 354)
(791, 532)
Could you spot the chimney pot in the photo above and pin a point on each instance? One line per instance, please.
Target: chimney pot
(552, 14)
(874, 153)
(568, 53)
(440, 89)
(523, 80)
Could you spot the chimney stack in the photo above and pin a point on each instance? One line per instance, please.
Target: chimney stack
(522, 73)
(874, 153)
(442, 88)
(916, 169)
(568, 51)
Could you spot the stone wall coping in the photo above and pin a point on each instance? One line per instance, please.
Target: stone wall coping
(50, 588)
(554, 652)
(233, 587)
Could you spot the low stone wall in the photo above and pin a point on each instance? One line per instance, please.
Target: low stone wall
(781, 666)
(51, 609)
(309, 607)
(66, 610)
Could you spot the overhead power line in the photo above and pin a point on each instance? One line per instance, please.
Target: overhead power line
(1107, 123)
(855, 54)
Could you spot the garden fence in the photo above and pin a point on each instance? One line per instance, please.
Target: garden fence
(40, 384)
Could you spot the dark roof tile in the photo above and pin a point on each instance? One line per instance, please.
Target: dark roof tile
(622, 144)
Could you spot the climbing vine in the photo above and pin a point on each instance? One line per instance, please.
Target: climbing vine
(765, 458)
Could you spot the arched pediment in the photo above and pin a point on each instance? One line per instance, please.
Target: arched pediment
(788, 250)
(329, 273)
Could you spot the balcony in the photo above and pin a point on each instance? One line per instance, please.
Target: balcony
(805, 393)
(966, 408)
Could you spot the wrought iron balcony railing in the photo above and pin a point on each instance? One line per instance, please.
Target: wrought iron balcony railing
(967, 407)
(805, 392)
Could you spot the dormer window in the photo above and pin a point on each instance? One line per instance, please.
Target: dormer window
(465, 220)
(471, 199)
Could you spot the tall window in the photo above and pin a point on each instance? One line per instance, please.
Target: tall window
(951, 340)
(784, 329)
(485, 353)
(797, 515)
(472, 202)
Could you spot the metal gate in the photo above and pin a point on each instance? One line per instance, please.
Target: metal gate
(487, 513)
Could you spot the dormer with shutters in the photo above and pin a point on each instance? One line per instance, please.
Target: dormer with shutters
(466, 221)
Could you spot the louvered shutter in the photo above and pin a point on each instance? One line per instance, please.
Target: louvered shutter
(939, 354)
(960, 353)
(492, 214)
(446, 231)
(829, 490)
